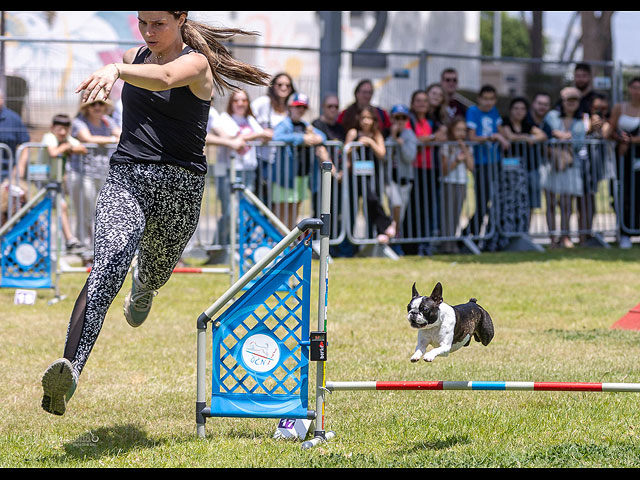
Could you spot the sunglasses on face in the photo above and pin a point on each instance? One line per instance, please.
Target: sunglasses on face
(451, 80)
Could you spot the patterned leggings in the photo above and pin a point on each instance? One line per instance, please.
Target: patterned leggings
(152, 209)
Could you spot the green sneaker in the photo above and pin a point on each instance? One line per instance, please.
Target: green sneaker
(59, 382)
(138, 302)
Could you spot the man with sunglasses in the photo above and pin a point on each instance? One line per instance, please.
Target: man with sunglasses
(449, 82)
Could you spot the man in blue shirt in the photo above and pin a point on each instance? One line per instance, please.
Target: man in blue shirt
(12, 133)
(483, 121)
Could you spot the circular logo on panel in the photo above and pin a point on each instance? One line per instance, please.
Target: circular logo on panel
(26, 255)
(260, 352)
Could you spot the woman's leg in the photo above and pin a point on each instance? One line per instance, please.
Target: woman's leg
(119, 226)
(171, 219)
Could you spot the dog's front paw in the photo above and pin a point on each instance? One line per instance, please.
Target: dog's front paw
(415, 357)
(429, 357)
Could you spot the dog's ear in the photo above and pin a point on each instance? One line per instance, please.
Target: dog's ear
(436, 295)
(414, 292)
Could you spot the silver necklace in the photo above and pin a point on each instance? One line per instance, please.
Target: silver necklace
(149, 60)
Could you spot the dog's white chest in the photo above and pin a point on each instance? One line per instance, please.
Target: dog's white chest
(439, 336)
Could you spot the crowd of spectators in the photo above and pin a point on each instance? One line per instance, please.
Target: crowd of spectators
(467, 138)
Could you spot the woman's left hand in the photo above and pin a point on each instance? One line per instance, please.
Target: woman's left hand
(101, 80)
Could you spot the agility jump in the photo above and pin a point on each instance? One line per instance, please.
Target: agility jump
(262, 344)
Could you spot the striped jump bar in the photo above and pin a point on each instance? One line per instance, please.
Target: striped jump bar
(498, 386)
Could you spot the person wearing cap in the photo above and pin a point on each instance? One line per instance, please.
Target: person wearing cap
(404, 147)
(562, 176)
(92, 125)
(295, 169)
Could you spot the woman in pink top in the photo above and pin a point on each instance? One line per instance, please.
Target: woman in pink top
(420, 219)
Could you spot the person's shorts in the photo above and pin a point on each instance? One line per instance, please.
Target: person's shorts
(298, 193)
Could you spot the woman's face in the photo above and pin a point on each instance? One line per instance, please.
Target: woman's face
(420, 103)
(634, 91)
(159, 30)
(518, 111)
(366, 121)
(282, 86)
(239, 103)
(570, 104)
(435, 96)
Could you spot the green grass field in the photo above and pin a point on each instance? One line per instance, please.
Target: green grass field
(134, 406)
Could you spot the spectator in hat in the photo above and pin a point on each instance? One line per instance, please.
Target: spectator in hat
(93, 124)
(403, 145)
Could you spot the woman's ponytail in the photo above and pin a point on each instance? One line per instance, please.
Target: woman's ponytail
(224, 67)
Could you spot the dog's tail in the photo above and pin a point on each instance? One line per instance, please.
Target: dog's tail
(474, 300)
(484, 331)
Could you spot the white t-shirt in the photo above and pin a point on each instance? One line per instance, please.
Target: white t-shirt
(265, 114)
(50, 140)
(459, 174)
(234, 126)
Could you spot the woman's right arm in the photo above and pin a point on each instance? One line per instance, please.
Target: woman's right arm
(186, 70)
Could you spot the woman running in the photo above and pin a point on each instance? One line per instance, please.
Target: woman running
(150, 202)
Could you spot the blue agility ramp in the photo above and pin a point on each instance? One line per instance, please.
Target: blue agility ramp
(261, 344)
(26, 250)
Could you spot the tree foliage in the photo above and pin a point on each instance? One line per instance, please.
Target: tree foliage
(515, 36)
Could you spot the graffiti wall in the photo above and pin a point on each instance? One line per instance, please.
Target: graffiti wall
(53, 70)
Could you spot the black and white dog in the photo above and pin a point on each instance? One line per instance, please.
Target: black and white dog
(444, 327)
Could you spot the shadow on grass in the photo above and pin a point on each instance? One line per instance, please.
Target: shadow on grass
(113, 440)
(437, 444)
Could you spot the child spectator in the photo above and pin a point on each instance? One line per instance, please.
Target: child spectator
(483, 121)
(404, 146)
(374, 150)
(59, 143)
(455, 160)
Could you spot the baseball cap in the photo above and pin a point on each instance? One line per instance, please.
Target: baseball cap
(400, 109)
(299, 100)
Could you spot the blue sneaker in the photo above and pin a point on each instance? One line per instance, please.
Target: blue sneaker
(59, 382)
(138, 302)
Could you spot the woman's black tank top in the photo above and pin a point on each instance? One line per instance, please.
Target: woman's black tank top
(166, 127)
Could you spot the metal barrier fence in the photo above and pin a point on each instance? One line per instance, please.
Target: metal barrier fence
(528, 195)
